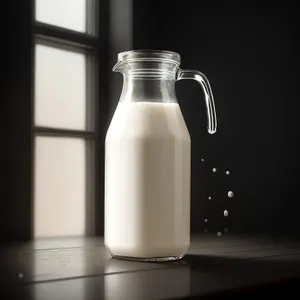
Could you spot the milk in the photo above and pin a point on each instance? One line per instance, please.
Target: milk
(147, 181)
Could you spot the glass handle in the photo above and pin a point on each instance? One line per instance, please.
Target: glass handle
(209, 98)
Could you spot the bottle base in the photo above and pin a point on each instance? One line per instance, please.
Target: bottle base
(149, 259)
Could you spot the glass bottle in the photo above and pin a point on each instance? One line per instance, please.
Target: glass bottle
(147, 159)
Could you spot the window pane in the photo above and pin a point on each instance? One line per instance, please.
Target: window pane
(70, 14)
(60, 86)
(59, 186)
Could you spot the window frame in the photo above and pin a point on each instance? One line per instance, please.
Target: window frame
(94, 44)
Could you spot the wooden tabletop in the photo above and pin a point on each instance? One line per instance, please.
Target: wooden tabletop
(81, 268)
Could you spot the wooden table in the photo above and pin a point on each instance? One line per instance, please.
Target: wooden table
(215, 267)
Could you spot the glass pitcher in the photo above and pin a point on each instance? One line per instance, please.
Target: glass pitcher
(147, 159)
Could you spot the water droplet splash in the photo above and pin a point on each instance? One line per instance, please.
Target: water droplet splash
(230, 194)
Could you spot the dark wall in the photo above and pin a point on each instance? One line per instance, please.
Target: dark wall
(120, 34)
(250, 55)
(15, 116)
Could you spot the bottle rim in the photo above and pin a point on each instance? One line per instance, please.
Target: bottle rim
(149, 55)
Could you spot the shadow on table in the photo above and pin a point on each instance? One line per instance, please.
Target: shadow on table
(234, 278)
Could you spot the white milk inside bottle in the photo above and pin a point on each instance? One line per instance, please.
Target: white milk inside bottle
(147, 181)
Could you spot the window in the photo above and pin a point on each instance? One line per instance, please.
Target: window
(68, 93)
(70, 14)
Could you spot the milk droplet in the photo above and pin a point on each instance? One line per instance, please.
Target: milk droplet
(219, 233)
(230, 194)
(209, 198)
(227, 173)
(205, 220)
(202, 159)
(225, 213)
(225, 229)
(214, 170)
(20, 275)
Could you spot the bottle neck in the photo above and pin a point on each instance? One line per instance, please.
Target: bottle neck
(148, 89)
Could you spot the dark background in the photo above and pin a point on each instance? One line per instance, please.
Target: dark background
(250, 55)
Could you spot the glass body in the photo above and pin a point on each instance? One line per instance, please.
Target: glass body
(147, 159)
